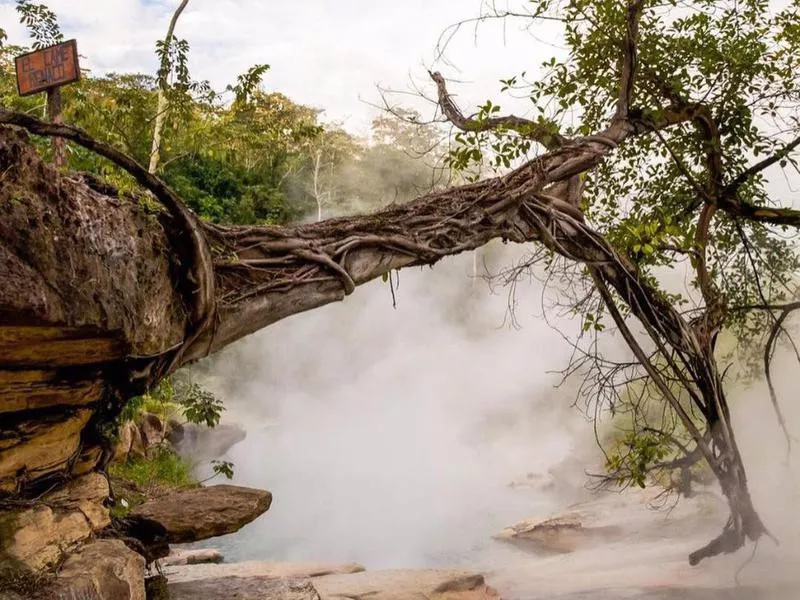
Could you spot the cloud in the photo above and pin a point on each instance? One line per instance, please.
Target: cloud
(327, 54)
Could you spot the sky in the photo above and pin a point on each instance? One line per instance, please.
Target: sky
(331, 55)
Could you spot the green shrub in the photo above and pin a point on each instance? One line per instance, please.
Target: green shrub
(163, 467)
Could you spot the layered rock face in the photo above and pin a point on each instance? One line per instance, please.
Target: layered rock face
(78, 271)
(86, 285)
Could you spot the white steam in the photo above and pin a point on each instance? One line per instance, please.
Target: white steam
(389, 436)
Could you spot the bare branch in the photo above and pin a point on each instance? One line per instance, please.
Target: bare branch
(525, 127)
(769, 349)
(733, 187)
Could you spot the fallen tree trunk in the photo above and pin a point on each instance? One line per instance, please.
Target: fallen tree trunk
(98, 300)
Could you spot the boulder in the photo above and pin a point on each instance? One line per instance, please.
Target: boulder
(205, 512)
(557, 534)
(613, 517)
(191, 557)
(405, 585)
(153, 430)
(206, 443)
(102, 570)
(124, 441)
(38, 535)
(244, 588)
(257, 569)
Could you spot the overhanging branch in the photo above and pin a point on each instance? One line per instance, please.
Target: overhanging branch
(539, 132)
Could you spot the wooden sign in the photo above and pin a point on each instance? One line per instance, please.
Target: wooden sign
(47, 68)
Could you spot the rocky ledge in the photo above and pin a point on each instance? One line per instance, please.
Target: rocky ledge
(204, 512)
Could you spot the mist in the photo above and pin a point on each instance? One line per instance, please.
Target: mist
(389, 436)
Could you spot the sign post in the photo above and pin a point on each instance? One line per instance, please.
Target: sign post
(46, 70)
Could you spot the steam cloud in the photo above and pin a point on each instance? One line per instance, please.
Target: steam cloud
(389, 437)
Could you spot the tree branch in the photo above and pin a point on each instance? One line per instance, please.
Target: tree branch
(629, 59)
(525, 127)
(733, 187)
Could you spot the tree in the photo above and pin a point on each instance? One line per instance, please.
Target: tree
(172, 56)
(709, 98)
(664, 158)
(399, 163)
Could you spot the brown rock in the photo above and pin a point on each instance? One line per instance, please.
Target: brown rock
(244, 588)
(125, 441)
(191, 557)
(41, 445)
(87, 460)
(153, 430)
(405, 585)
(85, 494)
(34, 389)
(103, 570)
(93, 486)
(36, 537)
(205, 512)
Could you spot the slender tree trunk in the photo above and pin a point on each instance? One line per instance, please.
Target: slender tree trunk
(163, 103)
(54, 116)
(317, 196)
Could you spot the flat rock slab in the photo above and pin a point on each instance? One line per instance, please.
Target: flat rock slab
(205, 512)
(616, 518)
(559, 534)
(405, 585)
(191, 557)
(258, 569)
(244, 588)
